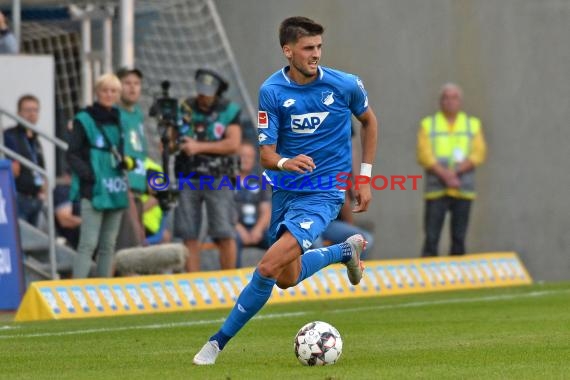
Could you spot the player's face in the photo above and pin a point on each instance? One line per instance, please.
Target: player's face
(107, 95)
(451, 101)
(29, 111)
(131, 89)
(304, 55)
(247, 158)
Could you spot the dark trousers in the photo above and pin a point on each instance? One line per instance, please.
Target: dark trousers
(435, 211)
(29, 208)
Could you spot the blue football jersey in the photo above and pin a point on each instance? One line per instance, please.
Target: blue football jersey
(312, 119)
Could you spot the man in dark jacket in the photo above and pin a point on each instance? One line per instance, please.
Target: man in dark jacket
(29, 183)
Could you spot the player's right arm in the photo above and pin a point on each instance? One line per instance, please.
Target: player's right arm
(268, 133)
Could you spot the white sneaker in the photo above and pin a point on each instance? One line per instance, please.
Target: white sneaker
(208, 354)
(354, 266)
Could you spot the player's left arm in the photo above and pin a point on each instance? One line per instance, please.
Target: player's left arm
(368, 138)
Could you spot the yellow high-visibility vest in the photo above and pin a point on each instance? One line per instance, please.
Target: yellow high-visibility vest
(450, 146)
(152, 217)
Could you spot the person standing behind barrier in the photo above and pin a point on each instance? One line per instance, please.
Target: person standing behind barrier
(253, 205)
(210, 138)
(97, 163)
(450, 146)
(131, 232)
(30, 185)
(8, 42)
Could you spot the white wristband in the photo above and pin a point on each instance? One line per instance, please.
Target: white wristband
(281, 162)
(366, 170)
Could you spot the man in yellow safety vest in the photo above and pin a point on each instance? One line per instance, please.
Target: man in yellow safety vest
(450, 146)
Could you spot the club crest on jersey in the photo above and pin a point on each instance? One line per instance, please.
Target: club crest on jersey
(307, 123)
(306, 223)
(327, 98)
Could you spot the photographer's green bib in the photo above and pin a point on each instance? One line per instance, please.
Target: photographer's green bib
(110, 187)
(207, 127)
(135, 146)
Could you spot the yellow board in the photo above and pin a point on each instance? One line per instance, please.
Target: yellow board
(210, 290)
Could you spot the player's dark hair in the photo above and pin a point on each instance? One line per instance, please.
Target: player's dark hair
(293, 28)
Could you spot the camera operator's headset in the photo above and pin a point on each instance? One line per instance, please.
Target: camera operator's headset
(224, 85)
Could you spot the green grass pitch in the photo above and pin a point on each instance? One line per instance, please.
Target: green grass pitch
(505, 333)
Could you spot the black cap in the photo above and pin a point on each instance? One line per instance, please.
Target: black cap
(124, 71)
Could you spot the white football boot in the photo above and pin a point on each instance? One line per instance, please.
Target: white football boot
(355, 267)
(208, 354)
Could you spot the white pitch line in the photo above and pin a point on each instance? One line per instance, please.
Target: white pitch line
(291, 314)
(9, 327)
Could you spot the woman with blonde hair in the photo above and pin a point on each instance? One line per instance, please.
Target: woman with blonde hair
(95, 156)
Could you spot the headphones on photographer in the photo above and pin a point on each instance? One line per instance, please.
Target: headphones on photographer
(223, 86)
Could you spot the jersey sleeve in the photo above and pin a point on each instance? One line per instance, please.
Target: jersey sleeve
(267, 119)
(358, 101)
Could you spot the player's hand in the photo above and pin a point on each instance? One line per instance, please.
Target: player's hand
(190, 146)
(300, 164)
(363, 196)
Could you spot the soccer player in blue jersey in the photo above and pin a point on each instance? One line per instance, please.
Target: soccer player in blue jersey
(304, 132)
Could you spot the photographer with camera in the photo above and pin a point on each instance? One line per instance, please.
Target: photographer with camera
(210, 136)
(95, 156)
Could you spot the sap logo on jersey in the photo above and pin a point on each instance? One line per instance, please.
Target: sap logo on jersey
(307, 123)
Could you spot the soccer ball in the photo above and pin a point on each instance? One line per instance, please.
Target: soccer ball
(317, 343)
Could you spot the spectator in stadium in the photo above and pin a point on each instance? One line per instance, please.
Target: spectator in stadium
(30, 184)
(8, 42)
(253, 204)
(131, 232)
(96, 158)
(210, 137)
(450, 146)
(304, 123)
(67, 211)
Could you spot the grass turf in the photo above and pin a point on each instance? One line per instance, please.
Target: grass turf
(516, 333)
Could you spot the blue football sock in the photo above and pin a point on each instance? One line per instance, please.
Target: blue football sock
(314, 260)
(249, 302)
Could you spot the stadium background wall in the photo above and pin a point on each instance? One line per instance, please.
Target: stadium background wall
(510, 57)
